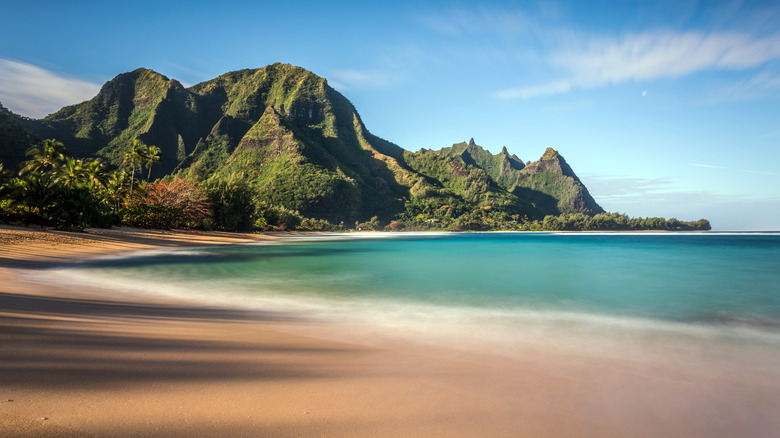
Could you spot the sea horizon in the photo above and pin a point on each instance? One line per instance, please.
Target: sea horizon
(524, 287)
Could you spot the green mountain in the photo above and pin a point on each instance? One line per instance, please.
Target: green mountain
(300, 143)
(549, 184)
(15, 138)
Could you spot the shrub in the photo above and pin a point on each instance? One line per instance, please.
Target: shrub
(233, 204)
(175, 204)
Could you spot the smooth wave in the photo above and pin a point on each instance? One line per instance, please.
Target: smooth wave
(503, 330)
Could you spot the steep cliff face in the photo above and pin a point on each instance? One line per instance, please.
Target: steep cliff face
(140, 104)
(301, 144)
(552, 185)
(549, 184)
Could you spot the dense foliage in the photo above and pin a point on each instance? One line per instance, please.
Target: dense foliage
(300, 144)
(54, 189)
(269, 148)
(485, 219)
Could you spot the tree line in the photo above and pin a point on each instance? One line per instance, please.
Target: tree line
(55, 189)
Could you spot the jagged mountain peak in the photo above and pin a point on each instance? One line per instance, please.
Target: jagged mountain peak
(550, 154)
(303, 146)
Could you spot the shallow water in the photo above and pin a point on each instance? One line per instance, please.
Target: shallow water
(488, 285)
(665, 334)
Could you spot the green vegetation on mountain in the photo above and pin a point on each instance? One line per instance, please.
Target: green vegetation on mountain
(14, 139)
(277, 145)
(548, 184)
(501, 167)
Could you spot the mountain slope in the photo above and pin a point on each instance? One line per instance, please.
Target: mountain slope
(301, 143)
(141, 104)
(303, 146)
(14, 139)
(549, 184)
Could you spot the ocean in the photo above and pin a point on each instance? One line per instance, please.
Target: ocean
(599, 293)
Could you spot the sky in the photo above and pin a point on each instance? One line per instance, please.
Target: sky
(662, 108)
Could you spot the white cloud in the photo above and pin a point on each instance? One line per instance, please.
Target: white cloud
(609, 187)
(644, 93)
(658, 197)
(347, 79)
(559, 87)
(760, 85)
(506, 22)
(732, 169)
(35, 92)
(650, 56)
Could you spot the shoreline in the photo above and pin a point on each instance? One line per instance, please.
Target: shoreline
(86, 362)
(83, 362)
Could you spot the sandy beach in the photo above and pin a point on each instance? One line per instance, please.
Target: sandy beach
(82, 361)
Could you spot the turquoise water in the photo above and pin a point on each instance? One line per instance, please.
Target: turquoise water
(671, 277)
(506, 279)
(676, 330)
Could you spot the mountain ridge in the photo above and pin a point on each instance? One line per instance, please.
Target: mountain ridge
(303, 146)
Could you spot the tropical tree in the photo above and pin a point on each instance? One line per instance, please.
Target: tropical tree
(153, 155)
(233, 203)
(170, 204)
(135, 156)
(97, 174)
(5, 182)
(116, 187)
(45, 156)
(71, 173)
(36, 192)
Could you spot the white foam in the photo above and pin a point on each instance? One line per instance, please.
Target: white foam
(507, 331)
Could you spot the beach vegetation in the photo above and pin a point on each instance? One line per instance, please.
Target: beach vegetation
(278, 148)
(134, 157)
(153, 155)
(274, 148)
(233, 203)
(169, 204)
(53, 188)
(6, 177)
(394, 226)
(44, 157)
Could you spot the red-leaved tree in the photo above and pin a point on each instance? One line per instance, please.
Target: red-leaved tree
(175, 204)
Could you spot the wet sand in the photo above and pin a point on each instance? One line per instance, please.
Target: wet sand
(88, 362)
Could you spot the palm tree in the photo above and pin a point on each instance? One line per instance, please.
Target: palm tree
(115, 187)
(45, 156)
(97, 174)
(5, 182)
(153, 155)
(36, 191)
(135, 156)
(71, 174)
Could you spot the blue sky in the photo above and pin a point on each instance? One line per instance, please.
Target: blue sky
(662, 108)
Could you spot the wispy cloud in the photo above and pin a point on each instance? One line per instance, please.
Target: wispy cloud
(482, 20)
(732, 169)
(603, 61)
(35, 92)
(558, 87)
(619, 187)
(757, 86)
(347, 79)
(631, 190)
(660, 197)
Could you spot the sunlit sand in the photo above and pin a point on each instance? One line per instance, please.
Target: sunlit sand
(90, 361)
